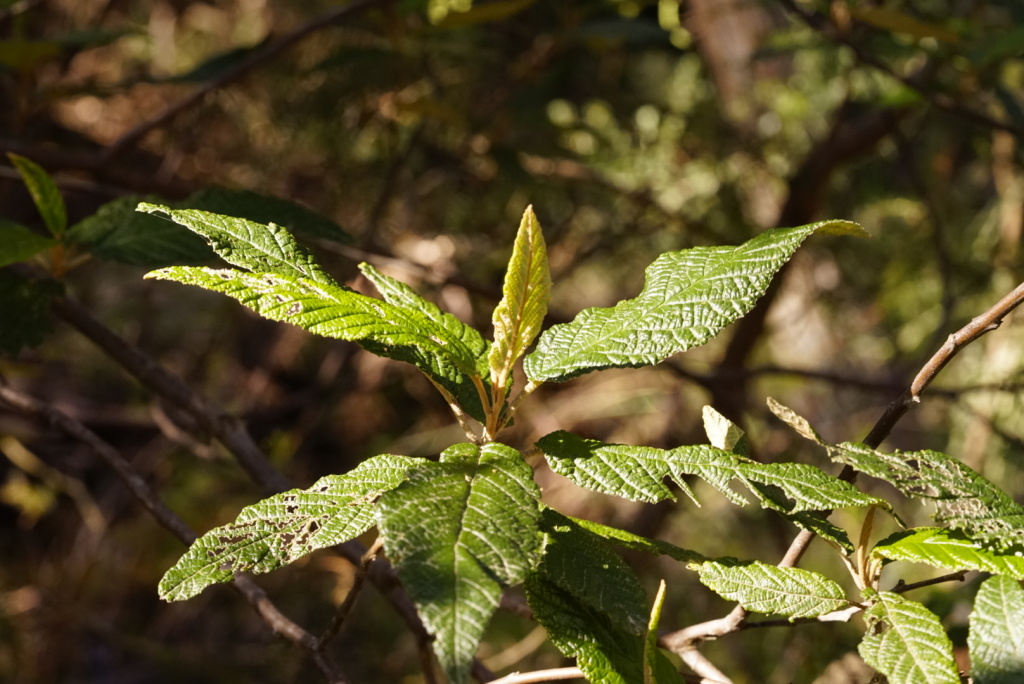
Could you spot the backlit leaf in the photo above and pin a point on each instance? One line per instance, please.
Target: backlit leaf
(18, 243)
(518, 317)
(949, 549)
(687, 299)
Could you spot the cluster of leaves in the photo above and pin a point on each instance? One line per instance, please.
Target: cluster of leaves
(465, 527)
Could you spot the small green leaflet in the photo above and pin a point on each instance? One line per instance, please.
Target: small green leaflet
(253, 246)
(45, 194)
(116, 232)
(25, 310)
(651, 638)
(286, 527)
(518, 317)
(637, 473)
(949, 549)
(331, 310)
(458, 532)
(964, 499)
(905, 642)
(762, 588)
(18, 243)
(592, 605)
(996, 637)
(687, 299)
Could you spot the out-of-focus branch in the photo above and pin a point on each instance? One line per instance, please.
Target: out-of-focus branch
(254, 59)
(940, 100)
(275, 619)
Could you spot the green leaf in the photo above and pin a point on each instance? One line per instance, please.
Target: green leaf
(44, 193)
(253, 246)
(949, 549)
(286, 527)
(18, 243)
(905, 642)
(24, 311)
(116, 232)
(996, 637)
(437, 10)
(332, 310)
(24, 55)
(762, 588)
(637, 473)
(651, 638)
(635, 542)
(964, 499)
(459, 531)
(592, 605)
(301, 222)
(688, 298)
(524, 303)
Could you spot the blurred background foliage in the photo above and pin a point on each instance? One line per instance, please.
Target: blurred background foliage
(634, 127)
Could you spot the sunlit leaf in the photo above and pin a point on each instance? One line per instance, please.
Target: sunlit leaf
(964, 499)
(762, 588)
(459, 531)
(687, 299)
(286, 527)
(906, 642)
(949, 549)
(996, 637)
(253, 246)
(518, 317)
(635, 542)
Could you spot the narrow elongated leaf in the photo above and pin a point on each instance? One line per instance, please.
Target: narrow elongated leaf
(964, 499)
(949, 549)
(286, 527)
(332, 310)
(116, 232)
(18, 243)
(44, 192)
(996, 637)
(762, 588)
(651, 638)
(253, 246)
(637, 473)
(459, 531)
(24, 311)
(592, 605)
(518, 317)
(905, 642)
(687, 299)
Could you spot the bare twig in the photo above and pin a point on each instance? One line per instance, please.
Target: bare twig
(559, 674)
(254, 59)
(142, 492)
(902, 587)
(350, 599)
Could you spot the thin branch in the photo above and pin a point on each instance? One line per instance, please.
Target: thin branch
(902, 587)
(350, 599)
(254, 59)
(559, 674)
(272, 616)
(228, 429)
(940, 100)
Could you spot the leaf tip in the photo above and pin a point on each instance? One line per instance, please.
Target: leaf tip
(148, 208)
(843, 227)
